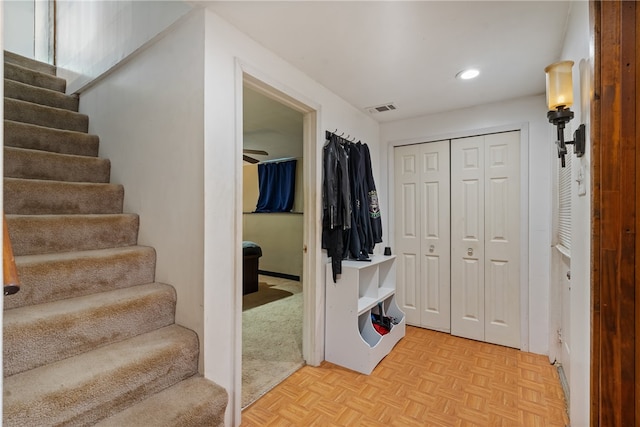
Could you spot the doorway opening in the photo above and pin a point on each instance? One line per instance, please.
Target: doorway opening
(272, 246)
(277, 319)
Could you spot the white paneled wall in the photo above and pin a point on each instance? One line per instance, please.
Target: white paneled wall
(94, 36)
(18, 27)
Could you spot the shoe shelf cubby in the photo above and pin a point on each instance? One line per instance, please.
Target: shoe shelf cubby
(364, 288)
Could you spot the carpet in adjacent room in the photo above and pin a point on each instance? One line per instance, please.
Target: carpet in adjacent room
(271, 337)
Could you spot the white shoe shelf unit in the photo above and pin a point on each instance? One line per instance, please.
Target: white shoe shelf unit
(350, 338)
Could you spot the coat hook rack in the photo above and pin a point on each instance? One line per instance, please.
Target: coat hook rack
(341, 135)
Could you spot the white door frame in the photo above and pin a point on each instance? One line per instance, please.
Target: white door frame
(524, 204)
(313, 301)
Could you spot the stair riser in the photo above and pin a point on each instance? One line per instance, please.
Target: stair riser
(24, 135)
(143, 368)
(45, 279)
(34, 78)
(33, 336)
(34, 164)
(44, 234)
(27, 112)
(195, 402)
(35, 197)
(13, 58)
(36, 95)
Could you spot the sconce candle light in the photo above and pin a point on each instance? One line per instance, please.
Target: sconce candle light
(559, 99)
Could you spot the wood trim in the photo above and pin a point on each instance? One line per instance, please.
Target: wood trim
(594, 17)
(636, 95)
(614, 204)
(11, 281)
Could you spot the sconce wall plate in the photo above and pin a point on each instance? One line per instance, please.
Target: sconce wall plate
(579, 141)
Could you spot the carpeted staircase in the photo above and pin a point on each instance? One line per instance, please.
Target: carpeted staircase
(90, 339)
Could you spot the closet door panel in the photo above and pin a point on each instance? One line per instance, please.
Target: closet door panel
(422, 230)
(470, 304)
(467, 237)
(435, 241)
(502, 246)
(407, 231)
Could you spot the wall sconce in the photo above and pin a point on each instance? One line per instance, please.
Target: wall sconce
(559, 99)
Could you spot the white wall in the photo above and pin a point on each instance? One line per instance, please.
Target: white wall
(280, 237)
(149, 117)
(18, 27)
(576, 48)
(472, 121)
(27, 29)
(227, 49)
(94, 36)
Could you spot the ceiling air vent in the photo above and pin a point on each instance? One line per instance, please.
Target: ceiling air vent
(381, 108)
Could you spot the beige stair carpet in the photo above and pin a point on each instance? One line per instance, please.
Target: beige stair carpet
(90, 338)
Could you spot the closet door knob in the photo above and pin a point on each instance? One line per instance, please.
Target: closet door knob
(432, 248)
(470, 251)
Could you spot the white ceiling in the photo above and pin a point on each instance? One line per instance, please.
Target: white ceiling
(408, 52)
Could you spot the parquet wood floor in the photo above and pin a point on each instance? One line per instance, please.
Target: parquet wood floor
(429, 379)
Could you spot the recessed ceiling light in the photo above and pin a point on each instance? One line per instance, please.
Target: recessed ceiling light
(468, 74)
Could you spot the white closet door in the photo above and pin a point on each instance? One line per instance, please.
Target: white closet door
(423, 233)
(436, 240)
(502, 239)
(467, 237)
(407, 231)
(485, 252)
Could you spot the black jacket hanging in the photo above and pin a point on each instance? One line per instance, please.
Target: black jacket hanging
(360, 225)
(336, 206)
(351, 223)
(374, 207)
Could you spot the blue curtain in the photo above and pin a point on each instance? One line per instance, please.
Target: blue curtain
(277, 186)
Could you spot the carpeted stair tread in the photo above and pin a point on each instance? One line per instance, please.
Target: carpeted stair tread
(84, 389)
(38, 95)
(34, 137)
(36, 164)
(90, 336)
(42, 234)
(39, 334)
(41, 197)
(41, 115)
(194, 402)
(57, 276)
(32, 64)
(31, 77)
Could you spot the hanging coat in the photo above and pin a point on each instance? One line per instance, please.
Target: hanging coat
(374, 207)
(336, 206)
(360, 227)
